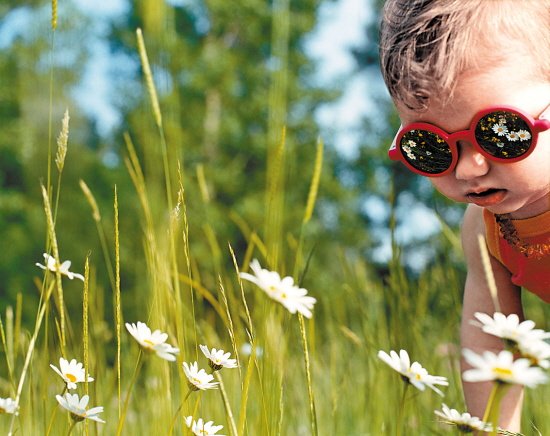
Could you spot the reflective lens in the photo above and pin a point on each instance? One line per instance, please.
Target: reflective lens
(503, 134)
(426, 151)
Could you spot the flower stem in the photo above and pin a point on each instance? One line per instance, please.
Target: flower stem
(401, 408)
(178, 411)
(71, 427)
(141, 359)
(493, 407)
(55, 410)
(194, 411)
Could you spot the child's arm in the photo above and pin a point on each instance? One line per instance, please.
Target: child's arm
(477, 298)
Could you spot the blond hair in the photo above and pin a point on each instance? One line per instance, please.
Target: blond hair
(426, 44)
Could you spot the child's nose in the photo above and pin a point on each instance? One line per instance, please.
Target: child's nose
(471, 163)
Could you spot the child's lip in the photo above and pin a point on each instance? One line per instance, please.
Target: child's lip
(487, 197)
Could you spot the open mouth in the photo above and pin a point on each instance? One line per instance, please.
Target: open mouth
(490, 197)
(486, 193)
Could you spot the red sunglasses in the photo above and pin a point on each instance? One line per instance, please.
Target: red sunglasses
(502, 134)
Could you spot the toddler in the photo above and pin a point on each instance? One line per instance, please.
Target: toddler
(471, 82)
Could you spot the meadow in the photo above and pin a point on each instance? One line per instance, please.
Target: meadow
(297, 373)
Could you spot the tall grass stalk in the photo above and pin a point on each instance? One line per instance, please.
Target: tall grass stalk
(274, 207)
(173, 274)
(139, 364)
(85, 305)
(308, 377)
(277, 105)
(8, 359)
(281, 408)
(118, 311)
(62, 140)
(246, 387)
(55, 250)
(97, 218)
(226, 403)
(245, 304)
(54, 26)
(310, 205)
(29, 355)
(187, 254)
(53, 239)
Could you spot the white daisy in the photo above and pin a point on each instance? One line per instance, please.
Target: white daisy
(411, 143)
(7, 406)
(201, 429)
(502, 368)
(465, 422)
(510, 329)
(63, 268)
(406, 149)
(71, 373)
(500, 129)
(512, 136)
(198, 380)
(217, 359)
(524, 135)
(77, 408)
(152, 342)
(411, 156)
(538, 352)
(414, 374)
(284, 291)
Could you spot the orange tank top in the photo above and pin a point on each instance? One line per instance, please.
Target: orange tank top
(530, 273)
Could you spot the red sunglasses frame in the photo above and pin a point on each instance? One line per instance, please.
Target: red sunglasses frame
(537, 126)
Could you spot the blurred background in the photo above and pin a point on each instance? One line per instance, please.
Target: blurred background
(230, 75)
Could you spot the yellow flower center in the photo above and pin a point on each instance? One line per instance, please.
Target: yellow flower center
(503, 373)
(196, 381)
(148, 342)
(2, 410)
(71, 377)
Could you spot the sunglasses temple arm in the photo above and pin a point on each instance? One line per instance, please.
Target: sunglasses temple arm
(542, 124)
(393, 154)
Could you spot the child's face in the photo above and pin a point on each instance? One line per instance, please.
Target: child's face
(521, 188)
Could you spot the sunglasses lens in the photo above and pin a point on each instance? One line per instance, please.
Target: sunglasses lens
(503, 134)
(426, 151)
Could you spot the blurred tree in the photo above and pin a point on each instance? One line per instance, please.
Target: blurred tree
(229, 76)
